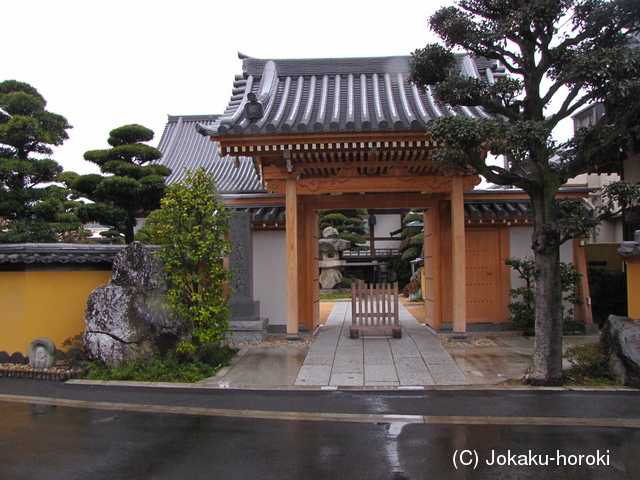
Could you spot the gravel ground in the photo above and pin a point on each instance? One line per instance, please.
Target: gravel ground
(279, 341)
(475, 341)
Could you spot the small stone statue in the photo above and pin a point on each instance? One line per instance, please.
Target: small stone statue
(42, 353)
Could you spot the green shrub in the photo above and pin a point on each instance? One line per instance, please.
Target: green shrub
(216, 355)
(589, 365)
(346, 282)
(522, 307)
(173, 367)
(192, 225)
(75, 350)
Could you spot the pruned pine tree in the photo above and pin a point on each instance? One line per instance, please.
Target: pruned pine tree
(131, 185)
(29, 204)
(349, 224)
(560, 56)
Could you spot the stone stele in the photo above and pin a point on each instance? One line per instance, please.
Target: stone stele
(129, 316)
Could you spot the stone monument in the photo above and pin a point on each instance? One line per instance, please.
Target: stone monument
(245, 322)
(331, 264)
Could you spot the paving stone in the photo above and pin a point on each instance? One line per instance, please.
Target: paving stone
(319, 358)
(324, 344)
(382, 384)
(449, 374)
(348, 364)
(437, 358)
(412, 372)
(405, 348)
(353, 349)
(416, 379)
(347, 379)
(313, 375)
(380, 373)
(378, 342)
(345, 341)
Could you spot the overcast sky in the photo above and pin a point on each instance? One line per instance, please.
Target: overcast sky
(106, 64)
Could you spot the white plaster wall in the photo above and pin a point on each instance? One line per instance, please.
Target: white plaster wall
(520, 247)
(609, 231)
(270, 274)
(387, 223)
(387, 244)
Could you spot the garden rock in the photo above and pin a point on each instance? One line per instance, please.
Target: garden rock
(129, 317)
(620, 340)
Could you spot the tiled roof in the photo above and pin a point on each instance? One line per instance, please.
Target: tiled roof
(473, 209)
(497, 209)
(264, 213)
(335, 95)
(56, 253)
(182, 148)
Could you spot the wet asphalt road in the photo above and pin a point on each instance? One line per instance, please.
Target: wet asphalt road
(133, 433)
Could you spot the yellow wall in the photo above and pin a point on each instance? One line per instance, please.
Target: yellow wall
(633, 284)
(44, 304)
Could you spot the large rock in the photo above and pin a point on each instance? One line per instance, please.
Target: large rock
(620, 339)
(129, 317)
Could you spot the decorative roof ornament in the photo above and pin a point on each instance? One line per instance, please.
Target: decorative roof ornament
(253, 108)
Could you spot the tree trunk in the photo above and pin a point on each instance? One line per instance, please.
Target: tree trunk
(129, 229)
(547, 354)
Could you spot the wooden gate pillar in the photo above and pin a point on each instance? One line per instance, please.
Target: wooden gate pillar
(308, 253)
(291, 212)
(459, 293)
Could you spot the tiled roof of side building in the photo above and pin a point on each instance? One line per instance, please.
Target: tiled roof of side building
(336, 95)
(183, 148)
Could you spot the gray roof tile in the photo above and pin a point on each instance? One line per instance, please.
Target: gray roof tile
(182, 148)
(335, 95)
(59, 253)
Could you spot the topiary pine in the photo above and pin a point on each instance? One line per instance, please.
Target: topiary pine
(132, 185)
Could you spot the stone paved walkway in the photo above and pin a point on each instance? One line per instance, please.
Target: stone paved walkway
(415, 360)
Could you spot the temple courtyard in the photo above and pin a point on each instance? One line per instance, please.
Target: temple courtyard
(330, 359)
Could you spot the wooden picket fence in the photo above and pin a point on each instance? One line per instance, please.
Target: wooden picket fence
(374, 309)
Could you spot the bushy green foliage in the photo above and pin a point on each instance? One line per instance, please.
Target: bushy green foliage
(522, 307)
(131, 186)
(32, 208)
(411, 246)
(192, 225)
(349, 224)
(174, 367)
(589, 365)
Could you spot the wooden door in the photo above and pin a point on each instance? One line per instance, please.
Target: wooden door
(485, 270)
